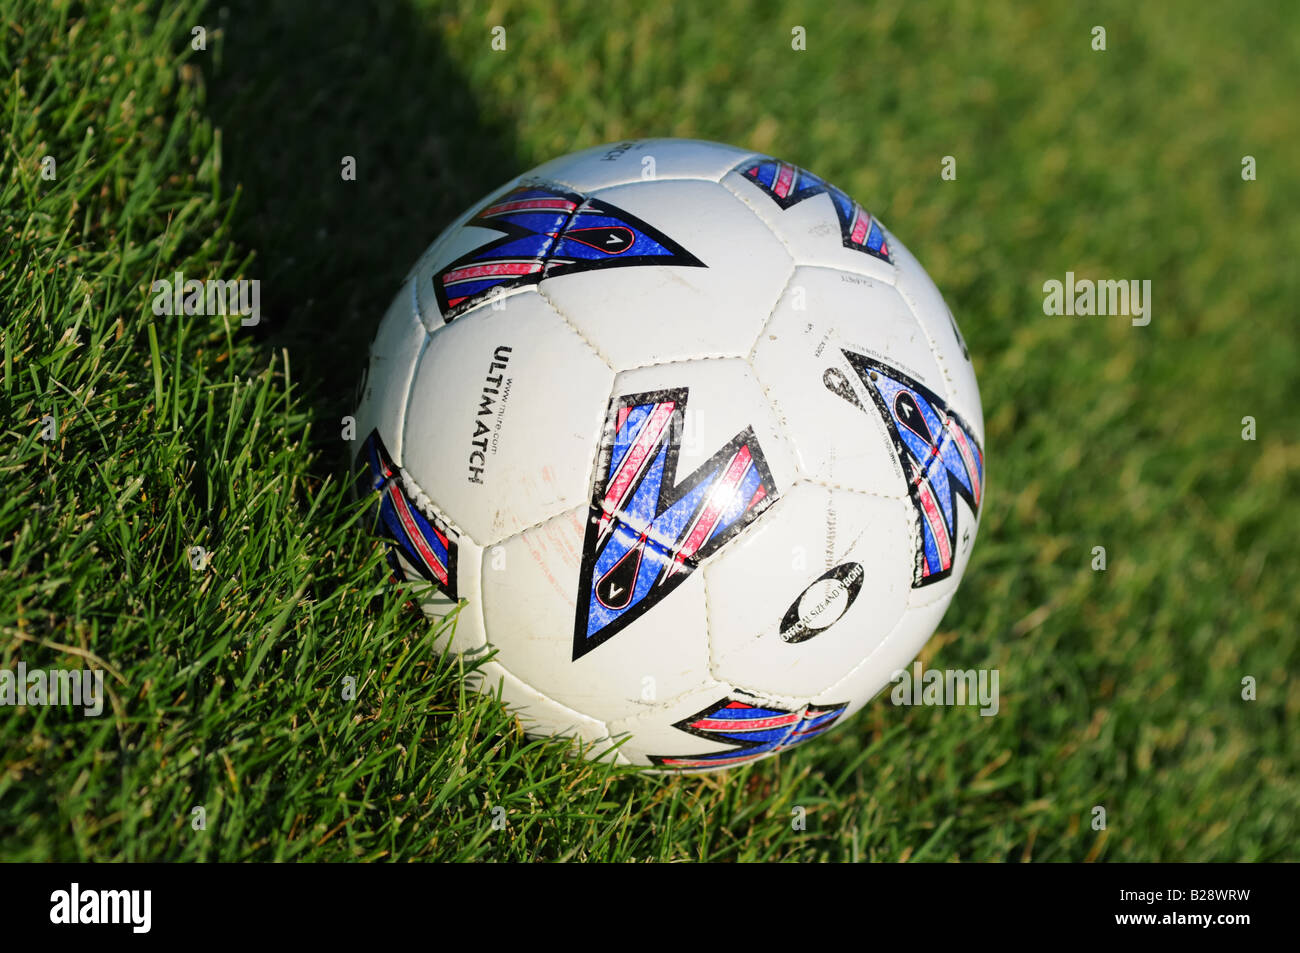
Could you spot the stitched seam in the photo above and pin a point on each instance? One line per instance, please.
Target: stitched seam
(830, 485)
(427, 507)
(795, 255)
(574, 328)
(867, 658)
(776, 303)
(514, 709)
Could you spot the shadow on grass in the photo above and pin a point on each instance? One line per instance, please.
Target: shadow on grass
(300, 86)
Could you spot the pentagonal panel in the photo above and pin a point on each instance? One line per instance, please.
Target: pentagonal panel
(701, 281)
(394, 354)
(809, 591)
(531, 588)
(636, 160)
(809, 359)
(819, 223)
(504, 416)
(927, 304)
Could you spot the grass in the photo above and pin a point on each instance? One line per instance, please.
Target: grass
(1120, 688)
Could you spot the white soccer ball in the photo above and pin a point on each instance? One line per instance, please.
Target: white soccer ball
(691, 440)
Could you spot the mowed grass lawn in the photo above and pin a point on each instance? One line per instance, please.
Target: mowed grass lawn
(1121, 689)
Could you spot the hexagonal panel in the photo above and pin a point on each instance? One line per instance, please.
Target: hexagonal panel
(504, 416)
(721, 726)
(436, 560)
(723, 273)
(436, 602)
(810, 591)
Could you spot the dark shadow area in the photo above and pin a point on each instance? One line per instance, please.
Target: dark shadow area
(299, 86)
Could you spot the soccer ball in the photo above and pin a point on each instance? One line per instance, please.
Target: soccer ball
(687, 438)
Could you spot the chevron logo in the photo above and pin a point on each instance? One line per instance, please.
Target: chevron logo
(548, 232)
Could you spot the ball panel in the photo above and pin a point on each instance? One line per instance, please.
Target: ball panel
(825, 401)
(819, 224)
(423, 548)
(543, 716)
(618, 163)
(394, 354)
(504, 415)
(809, 591)
(721, 406)
(963, 543)
(709, 299)
(655, 736)
(531, 583)
(934, 315)
(721, 727)
(894, 653)
(467, 632)
(457, 239)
